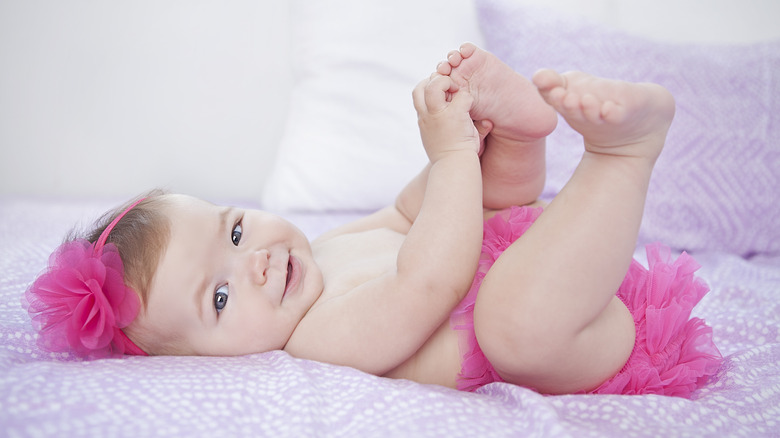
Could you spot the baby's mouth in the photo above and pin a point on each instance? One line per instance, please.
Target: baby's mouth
(294, 272)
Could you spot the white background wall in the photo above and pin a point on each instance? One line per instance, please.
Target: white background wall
(113, 98)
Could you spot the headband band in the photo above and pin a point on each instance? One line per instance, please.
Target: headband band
(101, 242)
(81, 303)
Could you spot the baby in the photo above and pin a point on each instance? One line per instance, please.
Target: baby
(466, 280)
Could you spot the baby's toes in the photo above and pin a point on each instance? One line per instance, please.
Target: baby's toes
(467, 49)
(551, 87)
(547, 80)
(554, 97)
(454, 58)
(444, 68)
(613, 112)
(591, 108)
(571, 108)
(571, 102)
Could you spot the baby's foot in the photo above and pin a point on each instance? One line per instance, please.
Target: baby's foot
(502, 96)
(518, 120)
(614, 117)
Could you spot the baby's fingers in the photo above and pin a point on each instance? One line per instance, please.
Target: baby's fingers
(483, 129)
(432, 94)
(418, 96)
(437, 92)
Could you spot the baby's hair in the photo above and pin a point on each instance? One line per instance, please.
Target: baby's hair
(141, 236)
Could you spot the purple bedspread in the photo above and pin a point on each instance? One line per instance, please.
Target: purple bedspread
(716, 185)
(274, 394)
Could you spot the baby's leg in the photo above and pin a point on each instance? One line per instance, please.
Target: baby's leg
(513, 165)
(546, 315)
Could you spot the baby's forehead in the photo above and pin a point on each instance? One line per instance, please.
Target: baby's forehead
(178, 207)
(179, 200)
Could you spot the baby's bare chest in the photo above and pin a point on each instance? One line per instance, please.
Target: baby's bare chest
(350, 260)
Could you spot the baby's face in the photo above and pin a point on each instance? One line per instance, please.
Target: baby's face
(230, 282)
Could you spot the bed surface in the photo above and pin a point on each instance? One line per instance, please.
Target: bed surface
(274, 394)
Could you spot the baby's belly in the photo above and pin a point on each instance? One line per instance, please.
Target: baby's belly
(436, 362)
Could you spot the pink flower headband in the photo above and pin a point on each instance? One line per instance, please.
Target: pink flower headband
(81, 303)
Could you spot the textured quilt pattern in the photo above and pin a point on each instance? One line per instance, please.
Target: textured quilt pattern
(274, 394)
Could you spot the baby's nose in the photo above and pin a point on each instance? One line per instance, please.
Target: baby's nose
(258, 266)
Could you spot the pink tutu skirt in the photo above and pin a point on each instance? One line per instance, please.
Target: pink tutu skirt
(673, 353)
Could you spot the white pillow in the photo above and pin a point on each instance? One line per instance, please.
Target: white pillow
(351, 140)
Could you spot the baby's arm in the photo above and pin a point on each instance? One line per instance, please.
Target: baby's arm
(384, 321)
(446, 233)
(409, 200)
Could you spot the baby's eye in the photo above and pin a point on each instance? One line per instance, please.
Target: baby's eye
(220, 298)
(235, 235)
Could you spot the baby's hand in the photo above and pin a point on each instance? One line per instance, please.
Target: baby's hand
(443, 117)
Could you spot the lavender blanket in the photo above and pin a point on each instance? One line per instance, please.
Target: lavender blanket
(274, 394)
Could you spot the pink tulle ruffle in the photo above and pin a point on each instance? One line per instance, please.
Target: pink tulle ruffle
(673, 353)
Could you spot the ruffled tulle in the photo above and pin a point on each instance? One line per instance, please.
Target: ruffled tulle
(673, 353)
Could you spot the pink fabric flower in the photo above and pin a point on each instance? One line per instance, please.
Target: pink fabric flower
(81, 302)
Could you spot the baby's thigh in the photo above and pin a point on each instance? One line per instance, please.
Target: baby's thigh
(529, 348)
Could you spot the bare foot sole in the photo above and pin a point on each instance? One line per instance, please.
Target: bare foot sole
(507, 99)
(614, 117)
(509, 107)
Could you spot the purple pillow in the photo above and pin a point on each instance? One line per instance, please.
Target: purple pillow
(717, 183)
